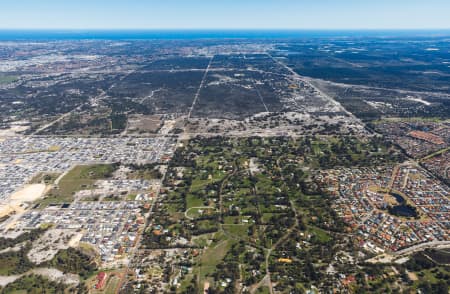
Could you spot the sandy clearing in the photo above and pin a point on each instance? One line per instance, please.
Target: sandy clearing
(14, 204)
(29, 193)
(167, 126)
(206, 287)
(48, 245)
(416, 99)
(16, 248)
(75, 241)
(5, 280)
(57, 275)
(12, 131)
(412, 276)
(7, 209)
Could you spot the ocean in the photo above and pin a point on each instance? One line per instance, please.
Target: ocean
(49, 35)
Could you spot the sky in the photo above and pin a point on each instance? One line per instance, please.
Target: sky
(225, 14)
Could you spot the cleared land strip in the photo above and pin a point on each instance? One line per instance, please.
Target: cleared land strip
(67, 114)
(260, 96)
(200, 87)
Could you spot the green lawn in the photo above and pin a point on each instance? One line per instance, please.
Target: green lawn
(266, 217)
(320, 234)
(192, 201)
(239, 231)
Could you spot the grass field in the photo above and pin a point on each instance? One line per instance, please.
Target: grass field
(263, 290)
(240, 231)
(112, 285)
(211, 257)
(193, 201)
(320, 234)
(45, 178)
(79, 178)
(202, 240)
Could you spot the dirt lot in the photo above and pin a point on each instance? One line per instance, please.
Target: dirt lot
(48, 245)
(27, 194)
(144, 123)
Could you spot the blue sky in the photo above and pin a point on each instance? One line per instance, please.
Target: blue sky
(232, 14)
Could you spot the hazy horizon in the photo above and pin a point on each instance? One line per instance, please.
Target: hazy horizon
(192, 34)
(226, 15)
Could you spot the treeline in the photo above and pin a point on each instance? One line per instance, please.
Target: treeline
(72, 260)
(15, 262)
(34, 284)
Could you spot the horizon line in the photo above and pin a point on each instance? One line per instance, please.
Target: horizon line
(225, 29)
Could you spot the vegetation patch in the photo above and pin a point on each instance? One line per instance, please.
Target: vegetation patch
(15, 262)
(34, 284)
(74, 261)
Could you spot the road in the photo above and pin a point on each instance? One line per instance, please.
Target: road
(267, 279)
(420, 247)
(147, 223)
